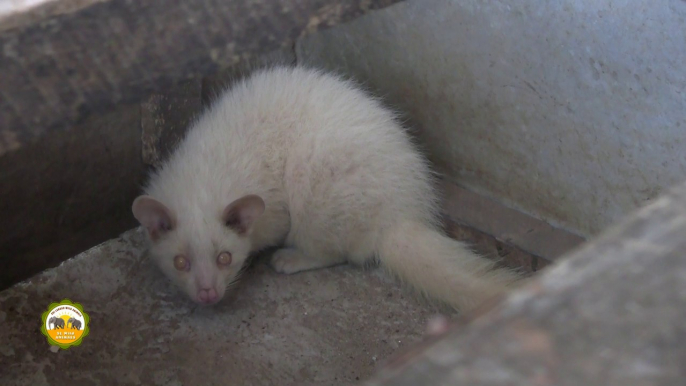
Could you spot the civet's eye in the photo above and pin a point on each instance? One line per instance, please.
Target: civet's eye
(224, 258)
(181, 263)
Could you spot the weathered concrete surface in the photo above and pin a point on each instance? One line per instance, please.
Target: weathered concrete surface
(73, 190)
(166, 117)
(213, 85)
(63, 60)
(573, 111)
(325, 327)
(611, 313)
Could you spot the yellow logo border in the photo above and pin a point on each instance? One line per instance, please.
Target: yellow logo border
(86, 328)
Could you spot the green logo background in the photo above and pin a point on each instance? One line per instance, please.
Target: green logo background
(86, 328)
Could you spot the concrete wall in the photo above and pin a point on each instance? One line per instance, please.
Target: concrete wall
(573, 111)
(69, 191)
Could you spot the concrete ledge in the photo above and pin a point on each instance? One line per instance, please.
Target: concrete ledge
(500, 232)
(329, 327)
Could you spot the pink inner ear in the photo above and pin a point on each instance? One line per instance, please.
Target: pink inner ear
(153, 215)
(242, 213)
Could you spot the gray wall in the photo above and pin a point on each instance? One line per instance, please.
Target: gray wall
(69, 191)
(572, 111)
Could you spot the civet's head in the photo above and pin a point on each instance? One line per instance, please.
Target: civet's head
(202, 254)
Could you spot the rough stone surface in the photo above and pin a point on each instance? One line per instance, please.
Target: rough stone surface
(60, 64)
(573, 111)
(325, 327)
(165, 119)
(213, 85)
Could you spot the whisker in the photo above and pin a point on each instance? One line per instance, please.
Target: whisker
(236, 279)
(246, 266)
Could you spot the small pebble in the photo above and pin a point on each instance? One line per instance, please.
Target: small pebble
(437, 325)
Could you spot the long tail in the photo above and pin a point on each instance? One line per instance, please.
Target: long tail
(441, 268)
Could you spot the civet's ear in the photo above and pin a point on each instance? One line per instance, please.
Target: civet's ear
(242, 213)
(153, 215)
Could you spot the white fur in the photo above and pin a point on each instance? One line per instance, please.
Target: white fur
(340, 179)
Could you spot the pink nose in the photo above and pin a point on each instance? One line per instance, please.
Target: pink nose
(207, 296)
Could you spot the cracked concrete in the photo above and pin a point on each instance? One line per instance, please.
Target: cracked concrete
(332, 326)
